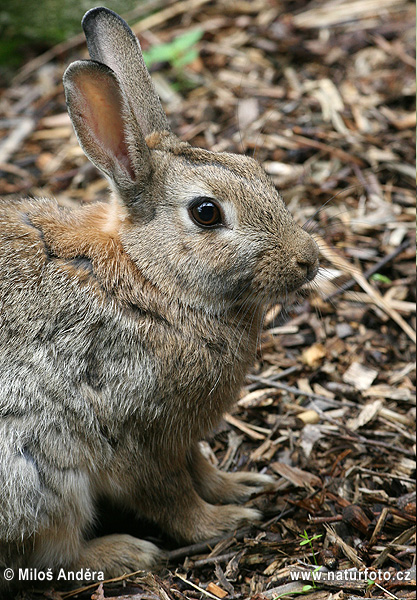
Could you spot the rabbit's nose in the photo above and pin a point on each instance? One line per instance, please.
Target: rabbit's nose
(309, 267)
(307, 258)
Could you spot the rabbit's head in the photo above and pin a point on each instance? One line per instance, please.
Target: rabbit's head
(208, 228)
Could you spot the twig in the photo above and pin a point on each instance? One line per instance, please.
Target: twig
(294, 390)
(342, 263)
(385, 475)
(249, 430)
(399, 305)
(346, 11)
(11, 143)
(200, 547)
(333, 151)
(254, 386)
(92, 586)
(195, 586)
(319, 520)
(177, 8)
(379, 525)
(212, 560)
(369, 272)
(399, 540)
(360, 439)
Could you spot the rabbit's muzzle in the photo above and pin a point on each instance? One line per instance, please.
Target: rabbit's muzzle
(306, 259)
(286, 266)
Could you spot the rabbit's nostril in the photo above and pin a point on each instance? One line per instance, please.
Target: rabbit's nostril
(309, 266)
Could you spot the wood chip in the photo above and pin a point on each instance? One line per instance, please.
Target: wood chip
(245, 427)
(359, 376)
(296, 476)
(309, 416)
(313, 356)
(367, 414)
(216, 590)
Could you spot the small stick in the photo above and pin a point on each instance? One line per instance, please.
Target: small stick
(344, 156)
(254, 386)
(195, 586)
(91, 586)
(295, 390)
(369, 272)
(200, 547)
(361, 440)
(379, 301)
(212, 559)
(380, 523)
(12, 142)
(317, 520)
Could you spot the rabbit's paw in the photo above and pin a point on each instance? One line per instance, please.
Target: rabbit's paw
(239, 487)
(227, 488)
(116, 555)
(219, 520)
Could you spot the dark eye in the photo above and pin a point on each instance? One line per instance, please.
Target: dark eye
(205, 212)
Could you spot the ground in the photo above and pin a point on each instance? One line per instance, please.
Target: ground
(322, 93)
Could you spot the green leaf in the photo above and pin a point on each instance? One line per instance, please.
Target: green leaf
(179, 53)
(162, 53)
(307, 539)
(186, 59)
(381, 278)
(188, 40)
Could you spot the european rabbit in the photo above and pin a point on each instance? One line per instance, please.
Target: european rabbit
(127, 328)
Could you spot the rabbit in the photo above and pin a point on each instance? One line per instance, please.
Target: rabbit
(127, 327)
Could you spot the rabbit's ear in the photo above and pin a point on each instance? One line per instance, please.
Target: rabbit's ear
(111, 41)
(105, 126)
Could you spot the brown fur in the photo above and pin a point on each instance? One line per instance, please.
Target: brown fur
(127, 329)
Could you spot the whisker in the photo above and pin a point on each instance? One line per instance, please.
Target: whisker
(268, 116)
(242, 147)
(328, 201)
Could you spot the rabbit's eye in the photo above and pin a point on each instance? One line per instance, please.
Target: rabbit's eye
(205, 213)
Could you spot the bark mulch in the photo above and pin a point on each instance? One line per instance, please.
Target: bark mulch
(322, 93)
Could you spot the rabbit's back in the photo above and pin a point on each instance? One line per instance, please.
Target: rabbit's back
(48, 431)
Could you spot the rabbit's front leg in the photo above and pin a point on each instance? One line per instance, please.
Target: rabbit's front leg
(174, 504)
(216, 486)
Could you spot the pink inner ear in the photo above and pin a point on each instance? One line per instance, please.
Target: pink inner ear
(102, 111)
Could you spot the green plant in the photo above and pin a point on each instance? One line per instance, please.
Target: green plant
(380, 277)
(179, 53)
(308, 587)
(308, 540)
